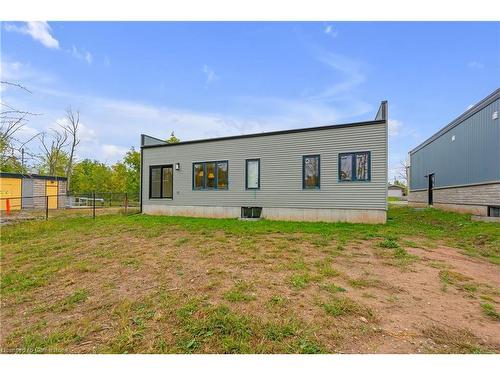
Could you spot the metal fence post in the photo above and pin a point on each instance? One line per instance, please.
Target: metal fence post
(126, 203)
(47, 207)
(93, 205)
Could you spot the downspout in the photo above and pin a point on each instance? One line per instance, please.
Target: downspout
(385, 116)
(140, 176)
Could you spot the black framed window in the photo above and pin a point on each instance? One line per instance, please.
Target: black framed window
(311, 174)
(222, 175)
(161, 180)
(252, 174)
(355, 166)
(198, 176)
(211, 175)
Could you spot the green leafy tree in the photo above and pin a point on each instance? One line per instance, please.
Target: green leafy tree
(172, 139)
(132, 162)
(91, 175)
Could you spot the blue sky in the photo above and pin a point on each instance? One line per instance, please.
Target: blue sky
(211, 79)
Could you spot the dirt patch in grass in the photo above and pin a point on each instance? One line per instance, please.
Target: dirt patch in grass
(474, 268)
(169, 288)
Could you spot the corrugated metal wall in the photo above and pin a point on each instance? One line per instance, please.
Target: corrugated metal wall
(281, 169)
(473, 157)
(28, 201)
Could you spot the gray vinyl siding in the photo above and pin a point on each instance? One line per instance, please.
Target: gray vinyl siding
(474, 156)
(280, 169)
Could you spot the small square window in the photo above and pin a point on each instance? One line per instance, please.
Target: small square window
(354, 166)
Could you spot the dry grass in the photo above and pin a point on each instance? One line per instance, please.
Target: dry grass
(169, 285)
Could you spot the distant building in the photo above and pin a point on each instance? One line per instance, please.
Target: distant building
(395, 191)
(32, 191)
(458, 168)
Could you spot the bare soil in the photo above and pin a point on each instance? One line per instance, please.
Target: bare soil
(402, 307)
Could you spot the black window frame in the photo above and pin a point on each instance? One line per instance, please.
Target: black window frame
(353, 166)
(317, 187)
(216, 182)
(246, 174)
(151, 167)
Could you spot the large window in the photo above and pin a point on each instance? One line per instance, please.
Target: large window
(354, 166)
(161, 181)
(210, 175)
(252, 174)
(310, 172)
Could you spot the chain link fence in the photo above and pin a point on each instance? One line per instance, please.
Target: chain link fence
(15, 209)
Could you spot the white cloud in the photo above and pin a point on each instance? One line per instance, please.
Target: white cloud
(85, 133)
(209, 74)
(38, 30)
(329, 30)
(81, 54)
(113, 152)
(113, 125)
(475, 65)
(16, 71)
(395, 127)
(350, 70)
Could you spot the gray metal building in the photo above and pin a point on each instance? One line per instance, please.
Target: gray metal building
(326, 173)
(458, 168)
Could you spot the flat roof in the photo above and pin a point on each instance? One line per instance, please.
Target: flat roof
(464, 116)
(383, 116)
(31, 175)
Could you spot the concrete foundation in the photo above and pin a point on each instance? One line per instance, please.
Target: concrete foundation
(272, 213)
(466, 199)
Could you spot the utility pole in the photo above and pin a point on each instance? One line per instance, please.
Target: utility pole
(22, 157)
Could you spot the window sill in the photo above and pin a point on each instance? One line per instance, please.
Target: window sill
(350, 181)
(209, 189)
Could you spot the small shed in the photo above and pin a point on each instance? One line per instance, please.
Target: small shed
(32, 191)
(395, 191)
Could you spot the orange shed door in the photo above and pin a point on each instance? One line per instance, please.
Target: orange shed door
(51, 192)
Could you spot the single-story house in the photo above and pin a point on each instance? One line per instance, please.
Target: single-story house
(458, 168)
(395, 191)
(30, 191)
(324, 173)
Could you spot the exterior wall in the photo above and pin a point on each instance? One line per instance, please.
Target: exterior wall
(467, 199)
(285, 214)
(61, 191)
(39, 193)
(28, 201)
(473, 157)
(10, 188)
(281, 171)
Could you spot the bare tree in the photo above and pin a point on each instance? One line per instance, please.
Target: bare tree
(71, 128)
(52, 146)
(403, 172)
(12, 121)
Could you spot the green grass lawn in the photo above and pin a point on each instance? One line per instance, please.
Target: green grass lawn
(475, 238)
(179, 285)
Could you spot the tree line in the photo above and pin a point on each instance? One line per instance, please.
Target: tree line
(54, 153)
